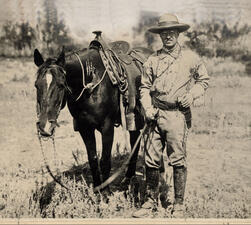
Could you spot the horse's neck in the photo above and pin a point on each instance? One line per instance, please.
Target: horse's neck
(81, 72)
(73, 76)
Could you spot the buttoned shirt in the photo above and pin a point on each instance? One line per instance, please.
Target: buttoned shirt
(170, 74)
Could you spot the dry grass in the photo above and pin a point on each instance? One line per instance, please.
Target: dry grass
(218, 154)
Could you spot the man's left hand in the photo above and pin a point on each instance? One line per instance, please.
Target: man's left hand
(186, 100)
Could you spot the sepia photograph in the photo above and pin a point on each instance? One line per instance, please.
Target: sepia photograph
(125, 112)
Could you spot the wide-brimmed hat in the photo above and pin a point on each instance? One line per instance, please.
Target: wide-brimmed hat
(167, 22)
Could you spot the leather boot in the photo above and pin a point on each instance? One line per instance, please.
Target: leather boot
(179, 176)
(150, 205)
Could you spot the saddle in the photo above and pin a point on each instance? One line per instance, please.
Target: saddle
(124, 67)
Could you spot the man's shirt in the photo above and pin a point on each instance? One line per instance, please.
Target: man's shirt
(169, 75)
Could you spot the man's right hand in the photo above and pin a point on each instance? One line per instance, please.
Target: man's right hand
(151, 114)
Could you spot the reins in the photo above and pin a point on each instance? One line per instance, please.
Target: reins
(40, 138)
(89, 86)
(104, 184)
(124, 165)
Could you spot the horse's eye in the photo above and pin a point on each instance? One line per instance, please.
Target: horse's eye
(36, 86)
(61, 85)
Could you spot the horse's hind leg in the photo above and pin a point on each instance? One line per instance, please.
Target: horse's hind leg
(88, 137)
(107, 140)
(131, 171)
(132, 164)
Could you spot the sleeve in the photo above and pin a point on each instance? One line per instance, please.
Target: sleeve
(201, 78)
(146, 84)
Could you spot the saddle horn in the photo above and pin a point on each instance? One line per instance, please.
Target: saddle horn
(98, 41)
(98, 34)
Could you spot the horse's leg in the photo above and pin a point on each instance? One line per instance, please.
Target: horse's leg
(131, 170)
(107, 132)
(132, 164)
(88, 137)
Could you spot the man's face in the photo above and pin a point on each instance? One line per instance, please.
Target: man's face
(169, 37)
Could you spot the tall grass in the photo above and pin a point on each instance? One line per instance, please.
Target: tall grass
(218, 156)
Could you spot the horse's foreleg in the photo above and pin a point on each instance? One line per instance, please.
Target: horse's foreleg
(88, 137)
(107, 140)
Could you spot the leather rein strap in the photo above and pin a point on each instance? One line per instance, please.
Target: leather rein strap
(89, 86)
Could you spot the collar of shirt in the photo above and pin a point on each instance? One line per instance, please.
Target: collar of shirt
(174, 52)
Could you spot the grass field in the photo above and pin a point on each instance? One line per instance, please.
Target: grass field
(219, 156)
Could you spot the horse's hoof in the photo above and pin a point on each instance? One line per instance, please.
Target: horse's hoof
(125, 186)
(106, 193)
(97, 198)
(105, 199)
(125, 183)
(135, 190)
(131, 190)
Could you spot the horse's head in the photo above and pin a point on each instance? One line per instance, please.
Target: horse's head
(50, 84)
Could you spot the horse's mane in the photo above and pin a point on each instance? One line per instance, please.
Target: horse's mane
(72, 53)
(47, 62)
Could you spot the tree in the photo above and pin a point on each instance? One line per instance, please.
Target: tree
(54, 32)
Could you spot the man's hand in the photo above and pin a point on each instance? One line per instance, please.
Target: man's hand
(186, 100)
(151, 114)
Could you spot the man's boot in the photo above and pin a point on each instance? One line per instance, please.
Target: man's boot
(150, 205)
(179, 176)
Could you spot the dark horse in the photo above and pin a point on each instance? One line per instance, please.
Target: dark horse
(60, 80)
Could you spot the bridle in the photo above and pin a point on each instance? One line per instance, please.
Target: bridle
(52, 137)
(65, 85)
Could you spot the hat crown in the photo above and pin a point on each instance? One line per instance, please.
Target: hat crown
(168, 18)
(168, 21)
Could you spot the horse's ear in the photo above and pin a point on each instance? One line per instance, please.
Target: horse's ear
(38, 58)
(61, 58)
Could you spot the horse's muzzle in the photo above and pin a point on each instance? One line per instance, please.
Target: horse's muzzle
(48, 129)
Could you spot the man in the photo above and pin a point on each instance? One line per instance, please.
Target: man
(173, 78)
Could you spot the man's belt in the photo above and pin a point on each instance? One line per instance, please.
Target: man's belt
(163, 105)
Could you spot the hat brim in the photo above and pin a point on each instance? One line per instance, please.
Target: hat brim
(181, 27)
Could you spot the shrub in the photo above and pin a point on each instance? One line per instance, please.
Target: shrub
(216, 39)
